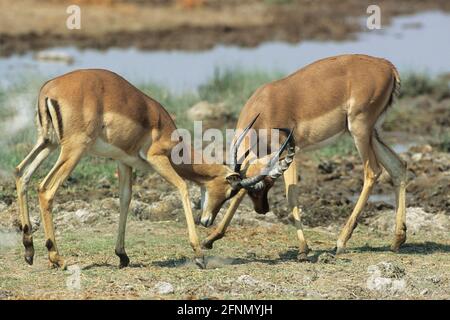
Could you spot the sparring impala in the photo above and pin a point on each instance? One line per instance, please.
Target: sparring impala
(98, 112)
(347, 93)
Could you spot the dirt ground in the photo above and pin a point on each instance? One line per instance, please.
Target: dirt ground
(257, 258)
(31, 25)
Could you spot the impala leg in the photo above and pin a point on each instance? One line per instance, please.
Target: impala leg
(219, 232)
(66, 162)
(125, 185)
(371, 173)
(396, 168)
(290, 182)
(24, 172)
(162, 166)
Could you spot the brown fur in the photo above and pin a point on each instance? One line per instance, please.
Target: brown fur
(98, 112)
(320, 101)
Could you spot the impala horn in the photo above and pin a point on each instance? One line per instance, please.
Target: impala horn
(235, 164)
(274, 168)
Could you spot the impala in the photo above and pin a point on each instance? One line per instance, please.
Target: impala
(347, 93)
(98, 112)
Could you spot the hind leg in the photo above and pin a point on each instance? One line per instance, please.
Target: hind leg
(362, 136)
(66, 162)
(125, 186)
(24, 172)
(396, 168)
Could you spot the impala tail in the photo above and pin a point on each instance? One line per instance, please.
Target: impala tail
(49, 120)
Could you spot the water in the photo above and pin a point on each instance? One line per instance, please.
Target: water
(418, 42)
(386, 198)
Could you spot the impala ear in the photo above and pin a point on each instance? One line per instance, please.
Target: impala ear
(234, 179)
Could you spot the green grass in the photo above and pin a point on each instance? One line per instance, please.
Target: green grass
(343, 146)
(416, 84)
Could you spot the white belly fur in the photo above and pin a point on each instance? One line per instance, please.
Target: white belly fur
(323, 143)
(106, 150)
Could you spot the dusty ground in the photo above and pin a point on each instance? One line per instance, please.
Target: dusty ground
(256, 262)
(257, 258)
(31, 24)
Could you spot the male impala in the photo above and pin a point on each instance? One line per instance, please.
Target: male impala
(98, 112)
(322, 101)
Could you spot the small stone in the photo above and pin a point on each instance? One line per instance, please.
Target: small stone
(424, 292)
(416, 157)
(164, 288)
(204, 110)
(248, 280)
(386, 278)
(85, 216)
(326, 258)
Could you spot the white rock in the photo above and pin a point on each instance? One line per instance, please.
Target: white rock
(204, 110)
(386, 278)
(416, 157)
(416, 220)
(85, 216)
(248, 280)
(164, 288)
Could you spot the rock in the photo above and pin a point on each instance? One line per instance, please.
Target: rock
(3, 206)
(327, 167)
(204, 110)
(85, 216)
(386, 278)
(426, 148)
(9, 238)
(5, 294)
(416, 157)
(326, 258)
(248, 280)
(104, 183)
(164, 288)
(416, 220)
(424, 292)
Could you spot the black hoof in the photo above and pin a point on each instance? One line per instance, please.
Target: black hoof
(124, 261)
(29, 260)
(200, 262)
(208, 245)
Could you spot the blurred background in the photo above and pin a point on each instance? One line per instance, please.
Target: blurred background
(202, 59)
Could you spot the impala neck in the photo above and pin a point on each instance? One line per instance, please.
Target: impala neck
(202, 172)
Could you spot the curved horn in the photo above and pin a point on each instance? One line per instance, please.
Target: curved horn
(277, 168)
(235, 165)
(274, 169)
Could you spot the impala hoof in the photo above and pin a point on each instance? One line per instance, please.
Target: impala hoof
(29, 259)
(340, 250)
(60, 264)
(208, 245)
(56, 261)
(124, 262)
(200, 262)
(398, 241)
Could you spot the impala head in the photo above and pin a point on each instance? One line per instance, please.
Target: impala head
(257, 180)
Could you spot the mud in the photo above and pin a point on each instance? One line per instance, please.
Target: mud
(165, 25)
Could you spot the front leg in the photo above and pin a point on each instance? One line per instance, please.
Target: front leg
(163, 166)
(219, 232)
(125, 185)
(290, 181)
